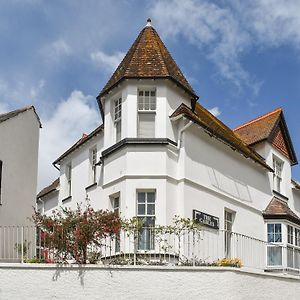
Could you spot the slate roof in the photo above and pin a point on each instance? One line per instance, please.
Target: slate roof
(6, 116)
(148, 57)
(48, 189)
(80, 142)
(258, 129)
(279, 209)
(215, 127)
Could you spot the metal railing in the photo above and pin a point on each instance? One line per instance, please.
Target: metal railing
(149, 246)
(195, 248)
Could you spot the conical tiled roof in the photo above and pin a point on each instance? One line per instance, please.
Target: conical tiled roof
(148, 57)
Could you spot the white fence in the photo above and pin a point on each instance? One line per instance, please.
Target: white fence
(205, 247)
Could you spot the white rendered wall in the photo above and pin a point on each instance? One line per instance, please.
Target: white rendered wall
(19, 138)
(39, 282)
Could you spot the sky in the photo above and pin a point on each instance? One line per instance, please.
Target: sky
(241, 57)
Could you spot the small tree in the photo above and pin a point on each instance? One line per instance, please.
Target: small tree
(74, 234)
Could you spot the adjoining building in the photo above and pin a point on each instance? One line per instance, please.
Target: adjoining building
(19, 144)
(160, 153)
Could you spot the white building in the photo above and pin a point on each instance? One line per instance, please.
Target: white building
(19, 136)
(159, 153)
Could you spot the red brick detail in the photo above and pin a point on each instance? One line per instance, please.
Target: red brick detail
(279, 142)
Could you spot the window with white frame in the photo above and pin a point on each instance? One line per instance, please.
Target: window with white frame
(277, 175)
(297, 237)
(274, 252)
(68, 180)
(118, 119)
(290, 230)
(228, 222)
(274, 233)
(146, 113)
(93, 165)
(116, 209)
(146, 215)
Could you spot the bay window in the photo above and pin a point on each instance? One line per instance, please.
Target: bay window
(146, 113)
(290, 230)
(146, 215)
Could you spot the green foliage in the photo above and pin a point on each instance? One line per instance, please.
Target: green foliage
(74, 234)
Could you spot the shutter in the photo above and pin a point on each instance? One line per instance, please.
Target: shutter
(146, 125)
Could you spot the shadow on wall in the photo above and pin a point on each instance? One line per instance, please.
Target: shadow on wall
(205, 151)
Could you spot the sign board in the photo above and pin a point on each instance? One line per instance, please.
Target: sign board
(206, 219)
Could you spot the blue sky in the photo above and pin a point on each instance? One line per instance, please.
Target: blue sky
(241, 57)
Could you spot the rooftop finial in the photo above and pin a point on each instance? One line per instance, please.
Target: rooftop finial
(148, 23)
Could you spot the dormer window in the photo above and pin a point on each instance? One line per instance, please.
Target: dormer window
(146, 113)
(117, 118)
(277, 176)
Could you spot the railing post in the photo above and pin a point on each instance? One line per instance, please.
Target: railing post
(134, 247)
(22, 244)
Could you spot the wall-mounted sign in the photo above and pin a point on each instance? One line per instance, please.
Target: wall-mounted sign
(206, 219)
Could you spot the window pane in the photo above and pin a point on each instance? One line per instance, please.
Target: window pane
(141, 197)
(270, 238)
(146, 125)
(270, 228)
(141, 209)
(278, 228)
(151, 197)
(151, 209)
(118, 131)
(278, 237)
(274, 256)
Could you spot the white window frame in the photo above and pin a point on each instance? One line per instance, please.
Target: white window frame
(146, 105)
(290, 234)
(116, 204)
(146, 234)
(277, 175)
(228, 230)
(93, 165)
(68, 179)
(117, 111)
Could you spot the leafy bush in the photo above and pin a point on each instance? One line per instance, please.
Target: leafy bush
(75, 234)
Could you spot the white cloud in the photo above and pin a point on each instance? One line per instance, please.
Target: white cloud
(62, 128)
(215, 111)
(16, 93)
(57, 49)
(224, 34)
(109, 62)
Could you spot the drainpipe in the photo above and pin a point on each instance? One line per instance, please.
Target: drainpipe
(186, 126)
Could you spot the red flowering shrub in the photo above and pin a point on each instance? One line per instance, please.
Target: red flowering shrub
(72, 234)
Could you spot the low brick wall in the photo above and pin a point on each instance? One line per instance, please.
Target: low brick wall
(96, 282)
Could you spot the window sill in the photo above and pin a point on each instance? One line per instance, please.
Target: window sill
(91, 186)
(280, 195)
(69, 198)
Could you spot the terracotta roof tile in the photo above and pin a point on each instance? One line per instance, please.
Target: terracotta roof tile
(258, 129)
(279, 209)
(212, 124)
(148, 57)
